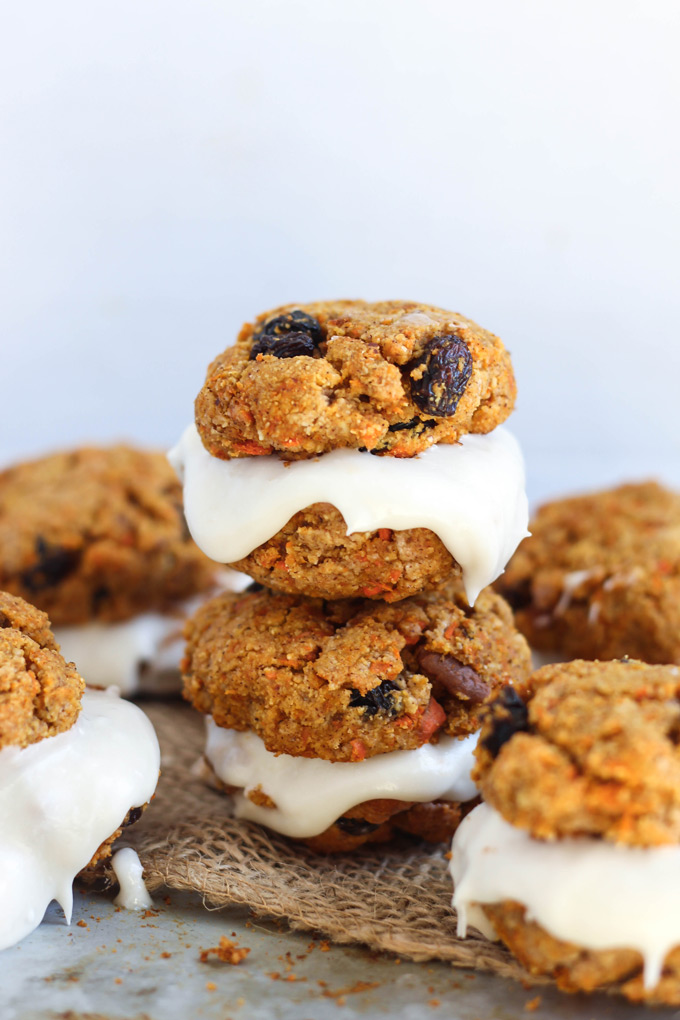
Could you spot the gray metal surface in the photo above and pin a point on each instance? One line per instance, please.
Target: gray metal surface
(113, 966)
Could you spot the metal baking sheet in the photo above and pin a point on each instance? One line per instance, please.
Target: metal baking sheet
(113, 964)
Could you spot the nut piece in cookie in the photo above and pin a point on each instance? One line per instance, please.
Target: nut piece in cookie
(573, 858)
(319, 707)
(96, 538)
(392, 377)
(600, 576)
(76, 766)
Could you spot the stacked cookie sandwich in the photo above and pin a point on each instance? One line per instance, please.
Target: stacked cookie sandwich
(76, 766)
(573, 858)
(350, 458)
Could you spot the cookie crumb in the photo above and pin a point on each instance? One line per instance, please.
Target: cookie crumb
(227, 951)
(355, 989)
(532, 1005)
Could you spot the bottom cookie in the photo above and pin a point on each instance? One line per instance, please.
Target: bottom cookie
(577, 969)
(320, 803)
(378, 821)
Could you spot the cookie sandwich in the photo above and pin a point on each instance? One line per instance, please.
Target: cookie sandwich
(96, 538)
(343, 722)
(600, 576)
(573, 860)
(76, 767)
(348, 448)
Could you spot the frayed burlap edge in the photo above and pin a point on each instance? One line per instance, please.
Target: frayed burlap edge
(391, 898)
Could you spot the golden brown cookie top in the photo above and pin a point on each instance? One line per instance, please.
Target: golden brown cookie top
(39, 692)
(393, 377)
(600, 576)
(590, 748)
(344, 680)
(97, 533)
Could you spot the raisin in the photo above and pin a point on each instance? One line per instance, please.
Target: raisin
(100, 595)
(133, 815)
(54, 564)
(454, 676)
(292, 345)
(254, 586)
(519, 597)
(508, 715)
(356, 826)
(287, 336)
(412, 424)
(379, 699)
(439, 377)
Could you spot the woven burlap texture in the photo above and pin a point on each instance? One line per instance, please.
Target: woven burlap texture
(388, 898)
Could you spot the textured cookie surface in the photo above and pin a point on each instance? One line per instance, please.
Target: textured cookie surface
(592, 748)
(313, 555)
(39, 692)
(576, 969)
(600, 576)
(392, 377)
(97, 534)
(349, 679)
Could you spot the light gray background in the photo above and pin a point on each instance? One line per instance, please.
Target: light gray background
(169, 169)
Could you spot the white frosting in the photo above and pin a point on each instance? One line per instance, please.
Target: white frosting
(61, 798)
(470, 494)
(143, 653)
(570, 583)
(310, 793)
(115, 654)
(596, 894)
(128, 870)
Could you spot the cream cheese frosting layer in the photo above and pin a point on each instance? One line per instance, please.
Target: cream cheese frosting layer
(142, 653)
(61, 798)
(310, 793)
(470, 494)
(596, 894)
(127, 868)
(115, 654)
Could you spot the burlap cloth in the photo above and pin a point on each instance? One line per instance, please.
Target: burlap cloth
(395, 898)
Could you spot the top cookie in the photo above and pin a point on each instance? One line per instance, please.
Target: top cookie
(392, 377)
(600, 576)
(97, 534)
(39, 692)
(589, 749)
